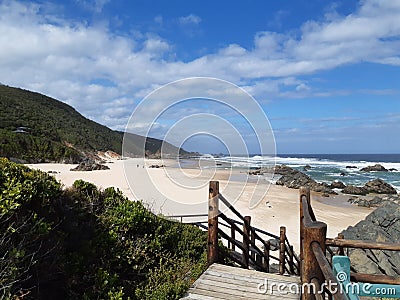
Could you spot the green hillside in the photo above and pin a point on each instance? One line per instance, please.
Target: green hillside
(37, 128)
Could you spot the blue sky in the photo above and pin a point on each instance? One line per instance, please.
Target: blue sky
(326, 74)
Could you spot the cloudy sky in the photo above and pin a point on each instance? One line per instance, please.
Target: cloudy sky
(326, 74)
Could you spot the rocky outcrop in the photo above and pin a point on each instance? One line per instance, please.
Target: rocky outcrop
(376, 168)
(375, 201)
(337, 185)
(90, 165)
(307, 168)
(354, 190)
(295, 179)
(378, 186)
(382, 225)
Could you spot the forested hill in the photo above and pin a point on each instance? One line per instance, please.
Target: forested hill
(37, 128)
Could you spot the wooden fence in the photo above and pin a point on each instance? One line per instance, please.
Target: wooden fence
(254, 244)
(248, 246)
(316, 267)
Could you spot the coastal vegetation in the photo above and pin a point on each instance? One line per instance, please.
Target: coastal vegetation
(85, 243)
(36, 128)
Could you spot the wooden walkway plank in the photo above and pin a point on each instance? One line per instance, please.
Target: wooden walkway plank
(221, 282)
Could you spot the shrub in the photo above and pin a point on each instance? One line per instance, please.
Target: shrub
(85, 243)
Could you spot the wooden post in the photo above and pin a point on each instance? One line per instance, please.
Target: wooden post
(304, 192)
(291, 260)
(340, 249)
(282, 255)
(246, 241)
(253, 242)
(213, 210)
(310, 231)
(267, 246)
(314, 232)
(233, 237)
(258, 260)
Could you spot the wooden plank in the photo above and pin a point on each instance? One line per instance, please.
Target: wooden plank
(250, 289)
(242, 279)
(222, 282)
(223, 293)
(252, 273)
(200, 296)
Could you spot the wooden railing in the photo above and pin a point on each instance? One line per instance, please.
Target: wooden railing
(316, 268)
(248, 246)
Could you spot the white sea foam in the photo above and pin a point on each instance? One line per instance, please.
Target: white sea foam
(323, 170)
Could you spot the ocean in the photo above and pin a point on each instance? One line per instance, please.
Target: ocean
(324, 167)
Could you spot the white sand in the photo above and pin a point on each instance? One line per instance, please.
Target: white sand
(189, 192)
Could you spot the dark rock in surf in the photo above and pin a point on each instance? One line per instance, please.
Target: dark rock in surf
(375, 168)
(379, 186)
(295, 179)
(354, 190)
(337, 185)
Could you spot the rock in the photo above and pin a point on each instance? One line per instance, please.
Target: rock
(295, 179)
(156, 166)
(325, 195)
(337, 185)
(354, 190)
(376, 168)
(343, 174)
(274, 244)
(353, 199)
(374, 202)
(379, 186)
(90, 165)
(382, 225)
(393, 170)
(351, 167)
(306, 168)
(256, 171)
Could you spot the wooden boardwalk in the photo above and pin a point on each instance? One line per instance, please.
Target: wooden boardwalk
(220, 282)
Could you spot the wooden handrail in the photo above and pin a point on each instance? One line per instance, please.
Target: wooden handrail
(233, 241)
(327, 270)
(373, 278)
(362, 244)
(230, 206)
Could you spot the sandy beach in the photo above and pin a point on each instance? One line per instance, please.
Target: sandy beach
(173, 191)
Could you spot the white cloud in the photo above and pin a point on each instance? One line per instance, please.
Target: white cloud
(61, 58)
(190, 19)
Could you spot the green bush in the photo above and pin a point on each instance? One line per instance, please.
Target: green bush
(84, 243)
